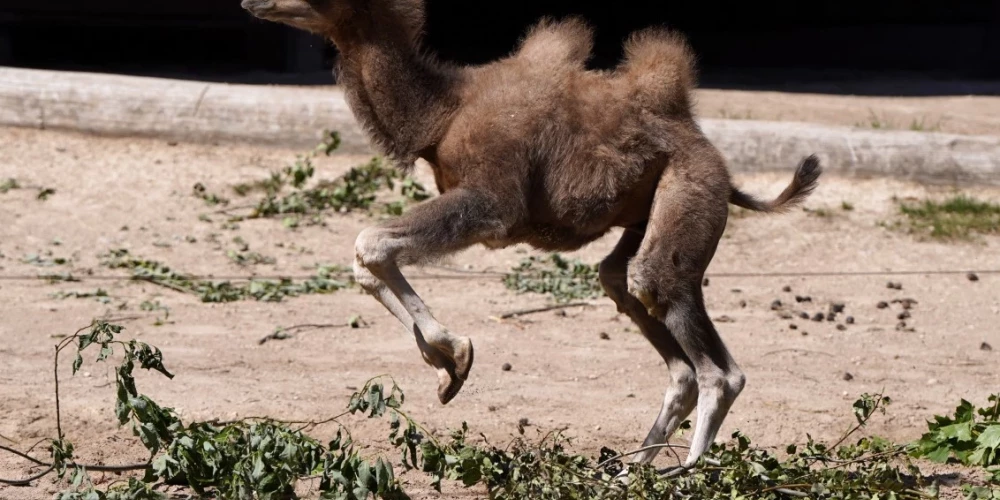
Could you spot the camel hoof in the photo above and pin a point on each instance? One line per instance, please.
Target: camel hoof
(464, 355)
(448, 386)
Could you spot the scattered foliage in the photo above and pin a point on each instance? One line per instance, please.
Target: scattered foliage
(884, 122)
(922, 125)
(210, 199)
(9, 185)
(875, 121)
(59, 277)
(328, 279)
(292, 193)
(242, 256)
(265, 458)
(101, 295)
(244, 259)
(563, 279)
(818, 212)
(45, 193)
(154, 306)
(954, 218)
(46, 259)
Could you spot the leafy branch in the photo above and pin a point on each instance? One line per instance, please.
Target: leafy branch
(971, 436)
(328, 279)
(248, 458)
(291, 193)
(262, 457)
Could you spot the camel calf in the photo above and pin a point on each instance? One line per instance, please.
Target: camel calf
(534, 148)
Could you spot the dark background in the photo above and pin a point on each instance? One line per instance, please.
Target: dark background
(905, 47)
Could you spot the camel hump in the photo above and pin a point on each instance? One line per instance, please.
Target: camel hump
(661, 65)
(557, 42)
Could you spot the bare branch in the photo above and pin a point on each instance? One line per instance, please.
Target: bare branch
(524, 312)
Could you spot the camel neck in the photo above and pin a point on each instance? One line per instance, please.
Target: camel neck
(401, 98)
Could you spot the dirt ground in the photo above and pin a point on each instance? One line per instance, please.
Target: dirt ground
(954, 114)
(137, 194)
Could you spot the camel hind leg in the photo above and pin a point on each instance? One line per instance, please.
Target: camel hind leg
(686, 222)
(682, 391)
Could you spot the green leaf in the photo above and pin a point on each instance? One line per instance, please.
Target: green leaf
(86, 340)
(962, 431)
(383, 475)
(994, 475)
(939, 455)
(122, 407)
(990, 437)
(148, 436)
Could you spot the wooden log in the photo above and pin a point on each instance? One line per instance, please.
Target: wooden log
(296, 116)
(175, 109)
(750, 145)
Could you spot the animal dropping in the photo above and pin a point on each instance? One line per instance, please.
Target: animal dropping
(585, 152)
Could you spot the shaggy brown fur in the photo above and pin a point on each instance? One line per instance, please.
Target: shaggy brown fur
(536, 149)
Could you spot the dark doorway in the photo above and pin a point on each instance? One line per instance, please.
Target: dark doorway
(904, 47)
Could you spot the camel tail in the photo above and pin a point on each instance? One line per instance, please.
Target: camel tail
(803, 184)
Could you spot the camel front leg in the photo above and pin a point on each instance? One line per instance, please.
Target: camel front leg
(444, 225)
(384, 296)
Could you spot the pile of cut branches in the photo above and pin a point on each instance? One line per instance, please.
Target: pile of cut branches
(268, 458)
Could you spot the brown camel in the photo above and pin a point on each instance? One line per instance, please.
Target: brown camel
(534, 148)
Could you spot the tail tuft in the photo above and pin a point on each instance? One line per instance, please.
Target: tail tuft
(803, 184)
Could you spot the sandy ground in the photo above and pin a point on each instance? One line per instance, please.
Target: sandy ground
(958, 114)
(136, 194)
